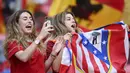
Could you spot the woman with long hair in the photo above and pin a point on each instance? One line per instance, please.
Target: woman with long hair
(23, 47)
(64, 25)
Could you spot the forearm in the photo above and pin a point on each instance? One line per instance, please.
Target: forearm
(27, 53)
(59, 44)
(57, 62)
(49, 61)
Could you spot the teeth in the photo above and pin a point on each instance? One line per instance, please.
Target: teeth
(28, 26)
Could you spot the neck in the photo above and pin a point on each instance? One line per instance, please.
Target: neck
(27, 38)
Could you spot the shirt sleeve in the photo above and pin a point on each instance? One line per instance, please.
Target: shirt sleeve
(13, 47)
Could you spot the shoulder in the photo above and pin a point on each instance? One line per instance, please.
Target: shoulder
(50, 45)
(12, 43)
(50, 42)
(13, 47)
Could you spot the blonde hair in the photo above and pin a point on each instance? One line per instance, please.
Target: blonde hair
(59, 23)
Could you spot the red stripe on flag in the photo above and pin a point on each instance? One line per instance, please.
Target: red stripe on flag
(73, 44)
(95, 66)
(74, 49)
(72, 66)
(84, 62)
(117, 43)
(104, 66)
(66, 69)
(118, 64)
(117, 4)
(114, 27)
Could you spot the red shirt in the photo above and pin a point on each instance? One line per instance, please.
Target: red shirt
(34, 65)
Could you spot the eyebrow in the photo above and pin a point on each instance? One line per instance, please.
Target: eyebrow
(26, 17)
(68, 17)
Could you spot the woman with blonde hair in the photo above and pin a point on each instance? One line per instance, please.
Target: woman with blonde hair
(23, 48)
(64, 25)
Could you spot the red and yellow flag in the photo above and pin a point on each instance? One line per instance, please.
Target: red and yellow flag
(91, 14)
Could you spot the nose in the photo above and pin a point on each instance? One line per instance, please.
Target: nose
(30, 20)
(73, 21)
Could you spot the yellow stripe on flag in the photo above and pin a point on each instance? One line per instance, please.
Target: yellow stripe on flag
(75, 65)
(58, 6)
(108, 49)
(126, 13)
(106, 16)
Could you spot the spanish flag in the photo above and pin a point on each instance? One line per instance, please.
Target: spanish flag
(90, 14)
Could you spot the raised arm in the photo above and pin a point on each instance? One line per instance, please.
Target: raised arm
(24, 55)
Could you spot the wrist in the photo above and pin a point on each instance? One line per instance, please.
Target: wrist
(39, 37)
(52, 55)
(37, 41)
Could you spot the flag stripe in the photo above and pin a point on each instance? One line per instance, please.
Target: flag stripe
(84, 62)
(79, 55)
(78, 70)
(87, 55)
(96, 68)
(74, 49)
(117, 4)
(119, 46)
(126, 42)
(105, 66)
(99, 64)
(73, 45)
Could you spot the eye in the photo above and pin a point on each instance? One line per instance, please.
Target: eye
(68, 18)
(31, 18)
(25, 19)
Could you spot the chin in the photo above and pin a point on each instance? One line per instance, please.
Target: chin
(73, 30)
(28, 32)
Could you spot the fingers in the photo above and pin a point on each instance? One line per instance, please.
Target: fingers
(67, 36)
(47, 24)
(49, 30)
(60, 39)
(47, 27)
(59, 44)
(46, 30)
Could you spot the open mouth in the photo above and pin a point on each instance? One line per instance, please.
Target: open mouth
(29, 27)
(73, 26)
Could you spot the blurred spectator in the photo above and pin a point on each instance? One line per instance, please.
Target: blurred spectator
(2, 58)
(39, 17)
(8, 8)
(4, 65)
